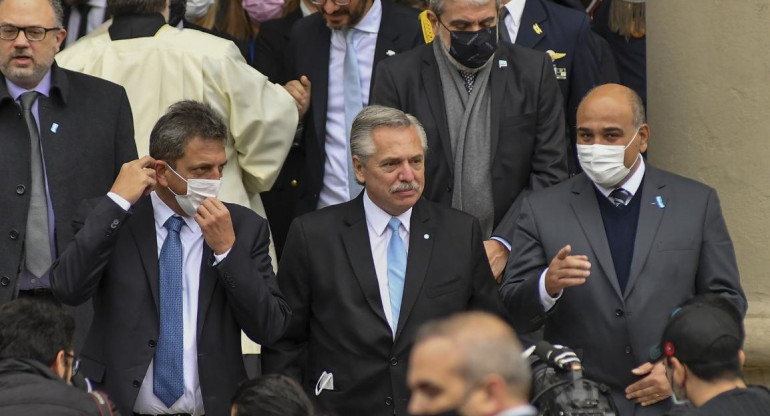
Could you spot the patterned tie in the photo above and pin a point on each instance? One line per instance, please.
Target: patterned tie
(468, 79)
(396, 269)
(37, 244)
(353, 103)
(168, 371)
(620, 197)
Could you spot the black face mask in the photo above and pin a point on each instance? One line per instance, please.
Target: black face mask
(472, 49)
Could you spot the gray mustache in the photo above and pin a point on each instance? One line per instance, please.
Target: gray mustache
(405, 186)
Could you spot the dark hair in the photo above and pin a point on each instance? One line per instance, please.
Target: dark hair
(271, 395)
(35, 329)
(182, 122)
(124, 7)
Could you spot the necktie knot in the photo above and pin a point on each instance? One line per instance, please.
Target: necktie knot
(27, 99)
(349, 35)
(468, 79)
(174, 223)
(393, 224)
(620, 197)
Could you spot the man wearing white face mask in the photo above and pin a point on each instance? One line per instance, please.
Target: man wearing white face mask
(598, 261)
(174, 275)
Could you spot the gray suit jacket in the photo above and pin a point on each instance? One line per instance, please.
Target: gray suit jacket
(682, 248)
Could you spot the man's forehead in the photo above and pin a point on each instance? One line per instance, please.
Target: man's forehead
(464, 10)
(39, 11)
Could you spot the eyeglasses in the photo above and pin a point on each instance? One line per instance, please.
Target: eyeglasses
(33, 33)
(75, 363)
(336, 2)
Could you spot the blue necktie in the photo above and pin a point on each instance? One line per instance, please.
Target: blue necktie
(353, 103)
(168, 374)
(396, 269)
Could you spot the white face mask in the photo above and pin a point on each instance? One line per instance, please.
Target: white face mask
(603, 164)
(195, 9)
(197, 191)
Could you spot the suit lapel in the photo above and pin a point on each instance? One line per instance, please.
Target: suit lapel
(431, 80)
(420, 248)
(387, 38)
(650, 216)
(586, 209)
(315, 56)
(534, 13)
(498, 83)
(356, 241)
(142, 225)
(208, 279)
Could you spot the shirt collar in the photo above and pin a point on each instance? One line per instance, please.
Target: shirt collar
(44, 87)
(378, 219)
(524, 410)
(631, 185)
(306, 11)
(371, 21)
(162, 212)
(516, 9)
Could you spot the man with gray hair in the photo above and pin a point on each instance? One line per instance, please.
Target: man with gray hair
(362, 276)
(493, 115)
(175, 275)
(469, 363)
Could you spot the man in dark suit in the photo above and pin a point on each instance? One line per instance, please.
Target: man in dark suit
(67, 147)
(362, 276)
(271, 46)
(644, 240)
(493, 114)
(316, 172)
(173, 283)
(565, 35)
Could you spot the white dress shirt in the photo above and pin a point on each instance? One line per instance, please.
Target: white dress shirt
(95, 19)
(632, 186)
(513, 18)
(335, 183)
(379, 238)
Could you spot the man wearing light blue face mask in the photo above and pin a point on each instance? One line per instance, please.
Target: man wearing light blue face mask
(175, 275)
(598, 260)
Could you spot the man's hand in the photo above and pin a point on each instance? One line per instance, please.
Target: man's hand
(300, 91)
(136, 178)
(565, 271)
(216, 225)
(497, 254)
(652, 388)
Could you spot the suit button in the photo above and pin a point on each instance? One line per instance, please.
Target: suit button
(114, 224)
(628, 349)
(388, 401)
(20, 189)
(151, 343)
(393, 361)
(618, 312)
(137, 384)
(5, 281)
(13, 234)
(293, 183)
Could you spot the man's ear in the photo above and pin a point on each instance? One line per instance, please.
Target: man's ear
(59, 365)
(160, 173)
(359, 167)
(741, 357)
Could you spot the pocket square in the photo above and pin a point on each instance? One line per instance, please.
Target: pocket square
(325, 382)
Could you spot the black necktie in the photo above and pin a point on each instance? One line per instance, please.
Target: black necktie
(620, 197)
(468, 79)
(501, 28)
(83, 9)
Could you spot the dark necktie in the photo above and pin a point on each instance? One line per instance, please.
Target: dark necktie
(37, 244)
(468, 79)
(501, 28)
(620, 197)
(396, 269)
(168, 370)
(83, 9)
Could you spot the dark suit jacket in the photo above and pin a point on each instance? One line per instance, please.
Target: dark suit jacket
(114, 260)
(270, 49)
(681, 249)
(296, 190)
(338, 322)
(566, 31)
(528, 139)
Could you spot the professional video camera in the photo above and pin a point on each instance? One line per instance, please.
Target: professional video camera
(558, 385)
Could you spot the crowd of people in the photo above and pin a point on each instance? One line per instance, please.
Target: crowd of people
(384, 200)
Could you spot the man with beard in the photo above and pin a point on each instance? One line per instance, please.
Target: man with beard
(494, 117)
(362, 276)
(337, 50)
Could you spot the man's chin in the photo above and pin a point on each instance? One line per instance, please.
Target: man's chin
(337, 23)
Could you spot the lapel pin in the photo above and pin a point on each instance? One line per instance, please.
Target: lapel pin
(426, 236)
(502, 63)
(390, 52)
(537, 29)
(659, 202)
(54, 127)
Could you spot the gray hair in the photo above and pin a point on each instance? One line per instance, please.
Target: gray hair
(374, 116)
(487, 345)
(437, 6)
(125, 7)
(58, 12)
(184, 121)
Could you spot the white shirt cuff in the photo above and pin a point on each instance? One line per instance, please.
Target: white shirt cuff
(119, 200)
(545, 299)
(503, 242)
(219, 257)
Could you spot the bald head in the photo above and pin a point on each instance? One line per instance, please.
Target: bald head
(622, 94)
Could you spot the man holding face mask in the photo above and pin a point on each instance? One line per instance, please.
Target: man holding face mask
(175, 275)
(493, 115)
